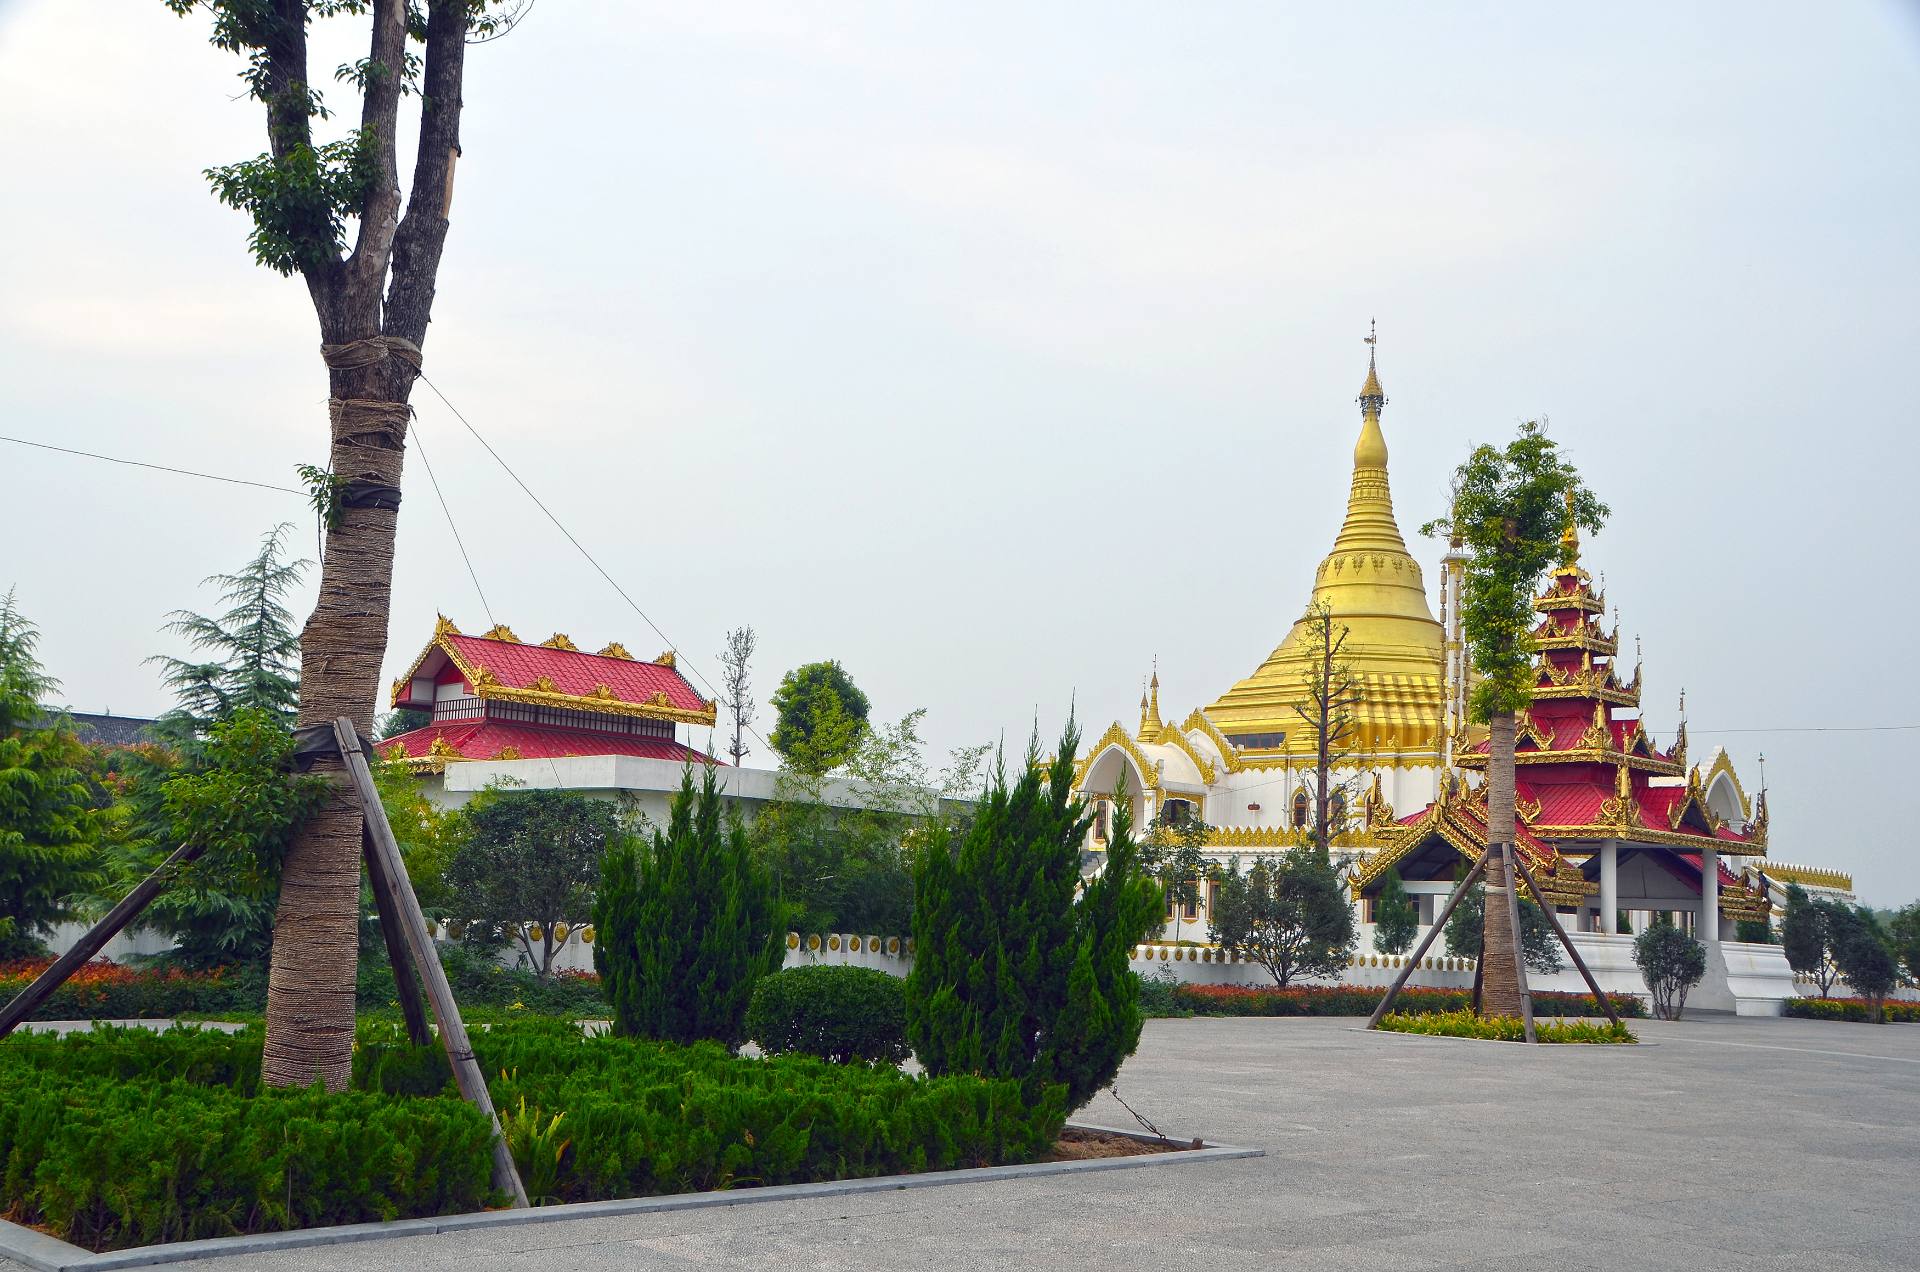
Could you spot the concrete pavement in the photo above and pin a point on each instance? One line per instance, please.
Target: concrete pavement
(1730, 1144)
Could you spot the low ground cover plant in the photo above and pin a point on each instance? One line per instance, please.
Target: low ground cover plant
(1464, 1024)
(123, 1137)
(1857, 1009)
(836, 1013)
(1359, 1000)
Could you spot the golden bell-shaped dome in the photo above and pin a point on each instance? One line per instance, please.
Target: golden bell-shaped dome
(1373, 587)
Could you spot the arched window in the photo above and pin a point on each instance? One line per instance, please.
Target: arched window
(1176, 812)
(1300, 808)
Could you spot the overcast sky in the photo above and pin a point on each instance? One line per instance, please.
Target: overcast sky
(997, 350)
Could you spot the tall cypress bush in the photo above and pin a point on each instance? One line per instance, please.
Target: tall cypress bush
(1010, 977)
(687, 921)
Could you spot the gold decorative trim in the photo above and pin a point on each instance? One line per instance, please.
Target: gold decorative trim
(500, 631)
(1229, 756)
(668, 659)
(443, 626)
(1723, 767)
(560, 640)
(1784, 873)
(1171, 736)
(614, 649)
(1117, 736)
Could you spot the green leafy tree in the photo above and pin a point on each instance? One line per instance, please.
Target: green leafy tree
(1010, 977)
(845, 868)
(1671, 963)
(1173, 853)
(528, 857)
(245, 661)
(243, 804)
(402, 720)
(1538, 945)
(1904, 934)
(820, 714)
(1396, 923)
(248, 655)
(1806, 940)
(50, 822)
(427, 834)
(1859, 948)
(1516, 510)
(1288, 913)
(331, 209)
(687, 923)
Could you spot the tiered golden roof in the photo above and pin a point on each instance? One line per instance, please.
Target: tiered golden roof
(1374, 588)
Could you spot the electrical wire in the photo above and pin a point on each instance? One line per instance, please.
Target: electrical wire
(420, 444)
(136, 463)
(578, 546)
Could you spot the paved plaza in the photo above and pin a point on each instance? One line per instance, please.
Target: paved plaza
(1735, 1144)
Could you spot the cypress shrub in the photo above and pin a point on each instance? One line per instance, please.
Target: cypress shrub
(836, 1013)
(1010, 977)
(1396, 923)
(688, 920)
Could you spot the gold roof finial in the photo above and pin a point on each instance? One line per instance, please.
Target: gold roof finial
(1150, 723)
(1372, 397)
(1570, 536)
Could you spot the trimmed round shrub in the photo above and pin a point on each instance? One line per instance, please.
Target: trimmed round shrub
(836, 1013)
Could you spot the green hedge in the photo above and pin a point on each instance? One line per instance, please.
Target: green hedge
(1897, 1010)
(1464, 1024)
(1357, 1000)
(836, 1013)
(125, 1137)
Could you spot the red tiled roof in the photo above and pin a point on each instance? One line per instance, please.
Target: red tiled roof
(575, 672)
(486, 739)
(1564, 803)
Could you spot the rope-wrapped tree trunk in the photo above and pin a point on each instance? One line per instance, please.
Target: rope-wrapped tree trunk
(372, 352)
(1500, 984)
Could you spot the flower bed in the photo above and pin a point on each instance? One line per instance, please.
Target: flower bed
(1464, 1024)
(1896, 1010)
(101, 990)
(125, 1137)
(1355, 1000)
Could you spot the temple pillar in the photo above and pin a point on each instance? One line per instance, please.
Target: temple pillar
(1708, 928)
(1610, 887)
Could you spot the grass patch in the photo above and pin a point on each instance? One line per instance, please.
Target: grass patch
(1464, 1024)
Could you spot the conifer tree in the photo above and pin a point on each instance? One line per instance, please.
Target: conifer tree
(1010, 977)
(1805, 940)
(687, 921)
(1395, 921)
(49, 825)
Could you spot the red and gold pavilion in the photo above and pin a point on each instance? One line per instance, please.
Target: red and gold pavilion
(1607, 820)
(495, 697)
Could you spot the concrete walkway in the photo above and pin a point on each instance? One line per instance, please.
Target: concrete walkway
(1731, 1144)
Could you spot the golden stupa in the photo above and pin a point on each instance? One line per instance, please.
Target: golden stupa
(1394, 645)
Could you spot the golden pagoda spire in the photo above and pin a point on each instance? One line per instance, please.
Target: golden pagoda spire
(1150, 721)
(1570, 537)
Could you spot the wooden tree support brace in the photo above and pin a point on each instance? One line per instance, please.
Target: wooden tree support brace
(28, 1000)
(453, 1031)
(1605, 1000)
(1511, 856)
(1426, 942)
(386, 904)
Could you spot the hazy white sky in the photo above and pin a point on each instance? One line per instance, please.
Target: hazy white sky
(996, 350)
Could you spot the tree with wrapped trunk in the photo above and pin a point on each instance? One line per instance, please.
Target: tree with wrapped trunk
(1512, 507)
(373, 298)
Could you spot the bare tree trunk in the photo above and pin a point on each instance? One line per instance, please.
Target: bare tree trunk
(1500, 986)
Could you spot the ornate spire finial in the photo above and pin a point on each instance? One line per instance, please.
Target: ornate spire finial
(1372, 397)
